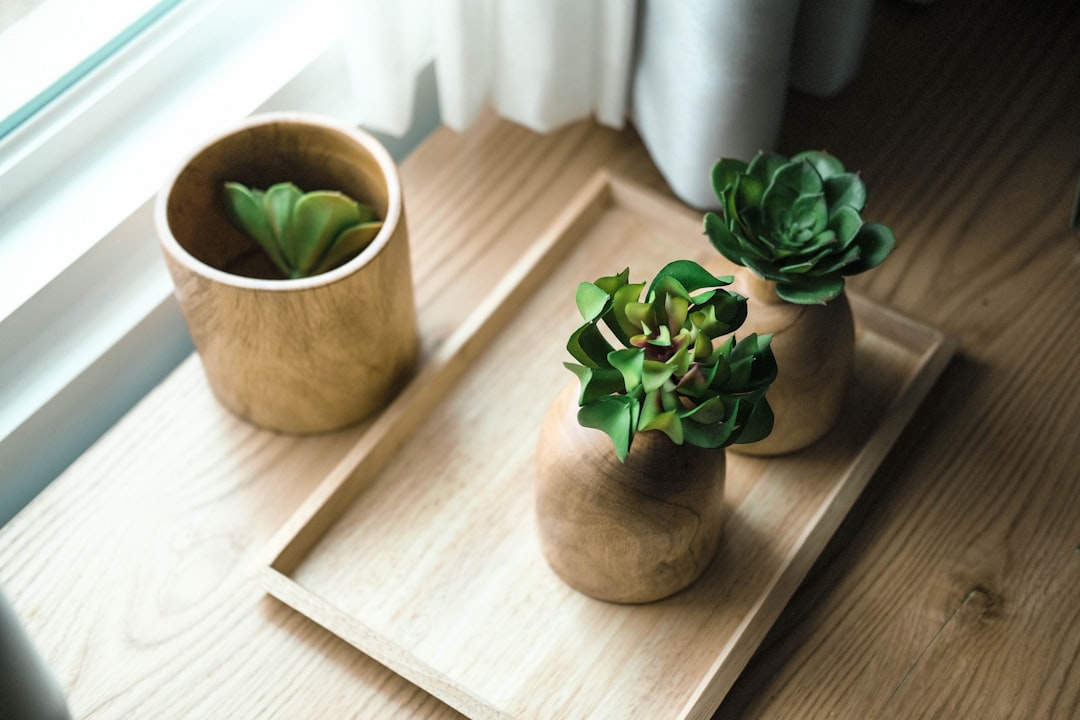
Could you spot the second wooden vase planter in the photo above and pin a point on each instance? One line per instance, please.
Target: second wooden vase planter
(297, 355)
(627, 532)
(814, 346)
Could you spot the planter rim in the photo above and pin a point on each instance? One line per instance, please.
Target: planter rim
(382, 157)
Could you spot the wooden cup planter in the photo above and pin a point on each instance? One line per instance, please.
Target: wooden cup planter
(296, 355)
(628, 532)
(814, 346)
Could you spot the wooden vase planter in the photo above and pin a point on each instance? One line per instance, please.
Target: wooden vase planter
(627, 532)
(296, 355)
(814, 346)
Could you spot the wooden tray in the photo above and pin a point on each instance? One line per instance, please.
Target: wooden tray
(419, 548)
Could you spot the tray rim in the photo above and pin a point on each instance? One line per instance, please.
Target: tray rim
(377, 446)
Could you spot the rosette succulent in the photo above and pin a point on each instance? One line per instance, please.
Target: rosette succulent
(655, 363)
(304, 234)
(796, 222)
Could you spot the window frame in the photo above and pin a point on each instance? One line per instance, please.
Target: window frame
(88, 325)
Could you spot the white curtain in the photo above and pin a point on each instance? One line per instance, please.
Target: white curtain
(708, 77)
(541, 63)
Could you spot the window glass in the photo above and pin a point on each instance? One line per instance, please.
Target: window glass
(48, 45)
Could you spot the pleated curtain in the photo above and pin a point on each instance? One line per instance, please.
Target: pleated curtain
(700, 79)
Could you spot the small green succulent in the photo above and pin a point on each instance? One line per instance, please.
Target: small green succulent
(304, 234)
(668, 373)
(796, 222)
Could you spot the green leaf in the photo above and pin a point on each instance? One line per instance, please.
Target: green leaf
(789, 183)
(278, 203)
(765, 270)
(661, 338)
(348, 244)
(816, 292)
(724, 173)
(675, 310)
(875, 241)
(824, 164)
(640, 315)
(708, 435)
(722, 239)
(758, 424)
(630, 362)
(588, 346)
(688, 277)
(662, 286)
(611, 283)
(652, 404)
(746, 194)
(722, 314)
(711, 411)
(667, 423)
(616, 415)
(617, 320)
(654, 374)
(764, 166)
(801, 268)
(845, 190)
(836, 263)
(845, 222)
(317, 219)
(681, 359)
(810, 212)
(596, 382)
(694, 383)
(592, 301)
(245, 210)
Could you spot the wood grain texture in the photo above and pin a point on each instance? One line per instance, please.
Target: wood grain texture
(814, 346)
(949, 591)
(420, 548)
(631, 531)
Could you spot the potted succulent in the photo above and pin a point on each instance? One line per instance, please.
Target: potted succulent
(286, 240)
(302, 233)
(795, 225)
(630, 466)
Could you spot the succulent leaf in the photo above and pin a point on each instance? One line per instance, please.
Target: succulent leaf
(845, 190)
(245, 208)
(616, 415)
(758, 423)
(816, 292)
(278, 203)
(710, 435)
(302, 233)
(348, 244)
(617, 320)
(596, 382)
(875, 242)
(317, 219)
(824, 164)
(668, 423)
(630, 362)
(588, 346)
(725, 172)
(592, 301)
(611, 283)
(654, 374)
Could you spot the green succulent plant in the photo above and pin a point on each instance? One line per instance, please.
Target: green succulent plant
(796, 222)
(304, 234)
(665, 371)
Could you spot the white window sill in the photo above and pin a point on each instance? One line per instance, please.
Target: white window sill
(87, 321)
